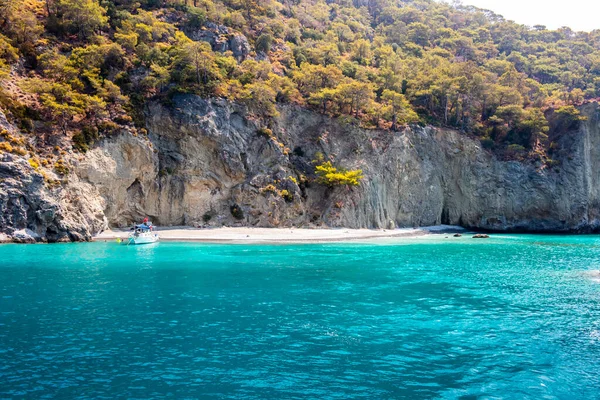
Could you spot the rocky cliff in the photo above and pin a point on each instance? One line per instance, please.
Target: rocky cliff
(32, 210)
(209, 163)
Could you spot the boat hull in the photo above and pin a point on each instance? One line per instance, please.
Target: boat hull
(144, 238)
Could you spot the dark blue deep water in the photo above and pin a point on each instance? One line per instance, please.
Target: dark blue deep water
(515, 317)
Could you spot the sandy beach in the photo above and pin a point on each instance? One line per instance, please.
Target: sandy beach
(278, 235)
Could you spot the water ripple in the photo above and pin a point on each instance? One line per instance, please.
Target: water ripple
(511, 317)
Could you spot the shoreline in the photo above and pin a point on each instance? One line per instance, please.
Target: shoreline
(280, 235)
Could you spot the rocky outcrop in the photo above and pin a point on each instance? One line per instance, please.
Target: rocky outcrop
(124, 173)
(32, 212)
(222, 39)
(206, 162)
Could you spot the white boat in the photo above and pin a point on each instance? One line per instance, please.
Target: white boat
(142, 238)
(142, 234)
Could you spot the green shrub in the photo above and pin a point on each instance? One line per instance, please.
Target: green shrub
(264, 42)
(266, 132)
(123, 119)
(26, 124)
(568, 118)
(34, 164)
(79, 143)
(487, 143)
(329, 175)
(5, 146)
(287, 196)
(108, 127)
(61, 167)
(195, 17)
(270, 188)
(515, 148)
(84, 139)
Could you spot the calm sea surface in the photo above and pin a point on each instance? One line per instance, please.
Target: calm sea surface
(515, 316)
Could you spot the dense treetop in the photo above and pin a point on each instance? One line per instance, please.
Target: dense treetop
(86, 67)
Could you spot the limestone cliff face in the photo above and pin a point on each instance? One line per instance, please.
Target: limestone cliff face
(205, 163)
(207, 157)
(31, 210)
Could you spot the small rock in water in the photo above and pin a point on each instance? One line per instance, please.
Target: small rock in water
(457, 235)
(481, 236)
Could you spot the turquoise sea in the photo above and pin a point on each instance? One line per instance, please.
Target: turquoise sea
(514, 317)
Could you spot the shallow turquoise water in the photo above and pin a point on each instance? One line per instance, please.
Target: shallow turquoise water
(510, 317)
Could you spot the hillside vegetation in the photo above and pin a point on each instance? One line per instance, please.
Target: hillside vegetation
(76, 70)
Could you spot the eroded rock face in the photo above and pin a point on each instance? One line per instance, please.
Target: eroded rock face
(32, 212)
(123, 172)
(222, 39)
(205, 162)
(211, 157)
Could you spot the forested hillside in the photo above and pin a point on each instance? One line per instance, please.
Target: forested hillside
(75, 70)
